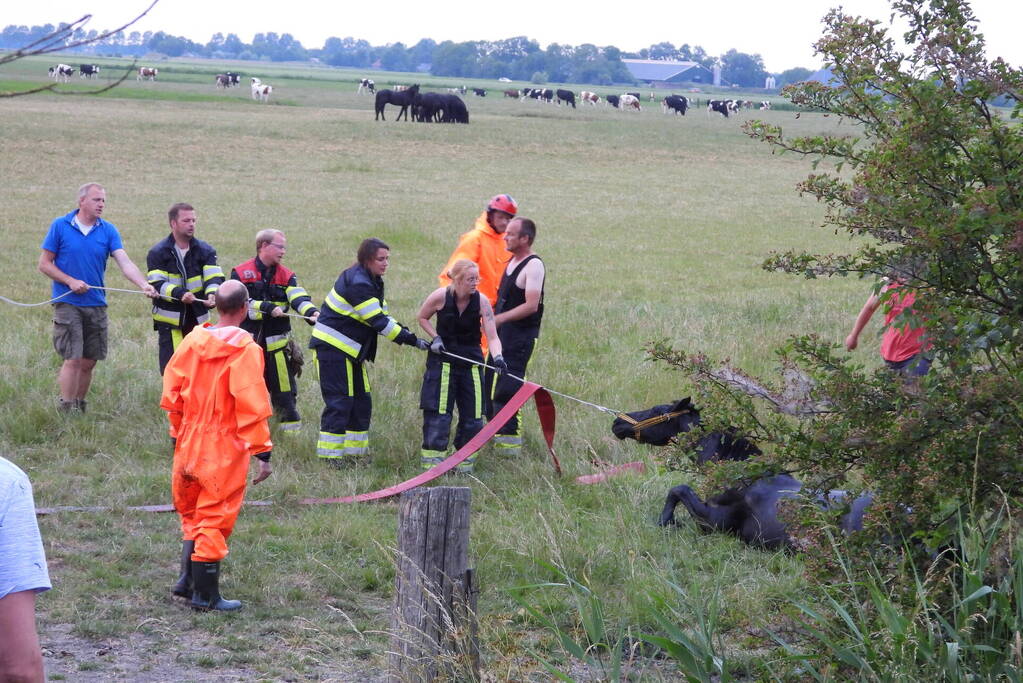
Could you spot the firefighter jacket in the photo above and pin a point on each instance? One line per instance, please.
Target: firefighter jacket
(354, 313)
(172, 277)
(270, 287)
(218, 406)
(484, 247)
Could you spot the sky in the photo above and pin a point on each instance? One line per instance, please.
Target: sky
(782, 33)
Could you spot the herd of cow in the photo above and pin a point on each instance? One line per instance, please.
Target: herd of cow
(445, 107)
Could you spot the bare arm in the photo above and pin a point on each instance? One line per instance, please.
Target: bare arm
(490, 327)
(861, 321)
(534, 275)
(433, 303)
(48, 267)
(132, 272)
(20, 656)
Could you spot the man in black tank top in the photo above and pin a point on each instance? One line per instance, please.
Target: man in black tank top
(518, 313)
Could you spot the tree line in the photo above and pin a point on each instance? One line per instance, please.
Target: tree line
(519, 58)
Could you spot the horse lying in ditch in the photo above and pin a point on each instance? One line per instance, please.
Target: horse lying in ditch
(751, 512)
(659, 425)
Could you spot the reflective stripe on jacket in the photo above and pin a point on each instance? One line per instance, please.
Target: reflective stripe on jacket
(202, 277)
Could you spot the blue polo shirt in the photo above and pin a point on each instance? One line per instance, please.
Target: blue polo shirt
(82, 256)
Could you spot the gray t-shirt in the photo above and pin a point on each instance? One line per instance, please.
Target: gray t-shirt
(22, 561)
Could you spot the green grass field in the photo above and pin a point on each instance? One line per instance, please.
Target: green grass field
(651, 226)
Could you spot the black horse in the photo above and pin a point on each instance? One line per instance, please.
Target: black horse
(751, 512)
(403, 99)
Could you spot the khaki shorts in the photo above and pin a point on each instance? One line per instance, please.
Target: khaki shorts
(80, 331)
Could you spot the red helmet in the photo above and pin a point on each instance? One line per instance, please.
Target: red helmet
(503, 202)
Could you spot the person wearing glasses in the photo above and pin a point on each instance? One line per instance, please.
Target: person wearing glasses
(184, 270)
(273, 291)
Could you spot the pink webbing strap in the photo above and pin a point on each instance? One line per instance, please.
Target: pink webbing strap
(544, 408)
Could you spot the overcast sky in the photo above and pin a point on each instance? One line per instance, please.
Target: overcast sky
(781, 32)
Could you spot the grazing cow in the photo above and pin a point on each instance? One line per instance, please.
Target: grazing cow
(261, 91)
(530, 93)
(591, 98)
(629, 102)
(751, 512)
(61, 72)
(613, 100)
(659, 426)
(366, 85)
(512, 93)
(566, 96)
(676, 103)
(401, 98)
(87, 70)
(635, 94)
(233, 78)
(222, 81)
(720, 106)
(547, 95)
(765, 105)
(147, 73)
(479, 92)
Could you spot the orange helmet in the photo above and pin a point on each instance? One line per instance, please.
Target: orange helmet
(503, 202)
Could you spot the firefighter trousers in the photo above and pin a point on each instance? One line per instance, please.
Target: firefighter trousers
(446, 386)
(347, 406)
(518, 348)
(280, 382)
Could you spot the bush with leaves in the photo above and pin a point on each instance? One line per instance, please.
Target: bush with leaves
(930, 182)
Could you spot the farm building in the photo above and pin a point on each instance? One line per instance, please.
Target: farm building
(664, 74)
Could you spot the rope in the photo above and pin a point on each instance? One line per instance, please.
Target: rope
(605, 409)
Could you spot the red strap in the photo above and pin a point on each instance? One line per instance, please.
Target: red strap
(611, 472)
(544, 408)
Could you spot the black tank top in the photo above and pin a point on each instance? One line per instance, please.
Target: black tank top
(510, 295)
(459, 331)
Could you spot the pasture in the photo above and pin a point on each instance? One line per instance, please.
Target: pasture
(651, 226)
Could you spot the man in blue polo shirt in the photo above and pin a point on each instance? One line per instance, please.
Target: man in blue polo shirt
(74, 255)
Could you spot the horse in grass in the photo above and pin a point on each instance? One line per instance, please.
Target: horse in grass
(403, 99)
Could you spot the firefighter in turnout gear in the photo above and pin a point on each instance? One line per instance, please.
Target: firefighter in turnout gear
(183, 269)
(449, 382)
(217, 404)
(518, 313)
(273, 290)
(344, 339)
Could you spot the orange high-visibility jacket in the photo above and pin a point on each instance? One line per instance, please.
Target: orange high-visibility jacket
(218, 405)
(486, 249)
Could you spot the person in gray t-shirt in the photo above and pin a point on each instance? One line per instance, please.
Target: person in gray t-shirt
(23, 573)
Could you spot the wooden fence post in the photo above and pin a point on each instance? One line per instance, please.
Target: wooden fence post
(433, 622)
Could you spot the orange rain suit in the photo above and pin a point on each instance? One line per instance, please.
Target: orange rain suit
(486, 249)
(218, 405)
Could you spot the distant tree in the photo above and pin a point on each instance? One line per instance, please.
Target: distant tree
(794, 75)
(395, 57)
(743, 69)
(422, 52)
(662, 51)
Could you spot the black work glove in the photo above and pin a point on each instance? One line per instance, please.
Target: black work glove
(437, 345)
(499, 365)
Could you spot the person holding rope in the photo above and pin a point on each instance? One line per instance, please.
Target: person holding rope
(448, 382)
(218, 406)
(344, 339)
(74, 255)
(518, 313)
(273, 289)
(184, 270)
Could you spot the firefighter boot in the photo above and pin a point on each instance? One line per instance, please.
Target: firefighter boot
(206, 585)
(183, 588)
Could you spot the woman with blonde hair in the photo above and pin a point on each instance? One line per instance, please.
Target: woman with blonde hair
(449, 382)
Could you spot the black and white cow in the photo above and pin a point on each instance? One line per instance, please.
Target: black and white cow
(720, 106)
(366, 85)
(62, 72)
(751, 512)
(566, 96)
(765, 105)
(479, 92)
(613, 100)
(675, 103)
(233, 78)
(88, 70)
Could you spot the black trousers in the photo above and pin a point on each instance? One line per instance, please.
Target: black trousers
(448, 385)
(517, 347)
(347, 406)
(280, 382)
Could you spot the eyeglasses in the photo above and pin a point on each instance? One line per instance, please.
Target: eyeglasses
(279, 246)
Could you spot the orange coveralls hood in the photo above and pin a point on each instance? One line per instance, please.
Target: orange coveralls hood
(218, 405)
(484, 247)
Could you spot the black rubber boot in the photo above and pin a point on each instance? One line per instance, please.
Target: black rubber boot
(206, 588)
(183, 588)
